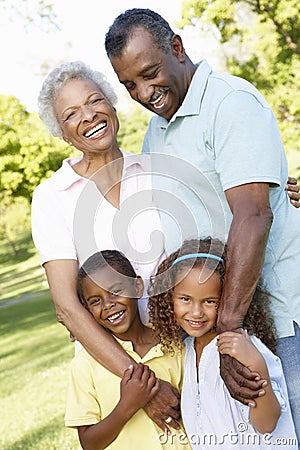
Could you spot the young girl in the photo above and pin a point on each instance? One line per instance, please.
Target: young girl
(184, 297)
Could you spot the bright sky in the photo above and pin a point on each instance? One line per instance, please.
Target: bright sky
(83, 26)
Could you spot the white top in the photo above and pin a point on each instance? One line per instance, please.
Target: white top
(71, 219)
(213, 419)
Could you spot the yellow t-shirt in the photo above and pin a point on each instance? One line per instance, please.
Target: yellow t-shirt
(93, 393)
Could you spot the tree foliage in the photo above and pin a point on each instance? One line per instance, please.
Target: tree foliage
(264, 37)
(133, 125)
(38, 12)
(28, 154)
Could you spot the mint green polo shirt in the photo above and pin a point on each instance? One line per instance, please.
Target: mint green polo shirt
(224, 135)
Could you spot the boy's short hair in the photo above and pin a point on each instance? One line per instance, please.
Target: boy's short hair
(112, 258)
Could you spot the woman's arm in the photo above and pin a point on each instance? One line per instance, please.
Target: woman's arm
(292, 189)
(265, 415)
(138, 386)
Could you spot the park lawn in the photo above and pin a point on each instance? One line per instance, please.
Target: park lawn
(20, 275)
(34, 356)
(35, 352)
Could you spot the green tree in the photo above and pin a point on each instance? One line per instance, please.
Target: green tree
(133, 125)
(28, 155)
(264, 38)
(14, 221)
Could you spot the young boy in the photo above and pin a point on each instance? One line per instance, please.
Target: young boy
(107, 413)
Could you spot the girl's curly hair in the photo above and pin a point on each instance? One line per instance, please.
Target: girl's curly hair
(258, 320)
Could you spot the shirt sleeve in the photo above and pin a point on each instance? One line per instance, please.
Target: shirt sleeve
(51, 235)
(247, 142)
(82, 406)
(276, 373)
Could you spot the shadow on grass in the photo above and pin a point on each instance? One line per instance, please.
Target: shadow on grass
(32, 336)
(28, 314)
(34, 438)
(11, 273)
(21, 274)
(24, 247)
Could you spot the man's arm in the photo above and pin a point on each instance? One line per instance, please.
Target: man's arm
(247, 240)
(62, 279)
(248, 235)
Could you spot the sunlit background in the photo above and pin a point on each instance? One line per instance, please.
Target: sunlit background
(28, 53)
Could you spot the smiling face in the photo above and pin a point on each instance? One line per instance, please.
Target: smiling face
(154, 78)
(196, 300)
(86, 117)
(112, 300)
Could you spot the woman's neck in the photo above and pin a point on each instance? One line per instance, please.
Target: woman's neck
(92, 162)
(105, 169)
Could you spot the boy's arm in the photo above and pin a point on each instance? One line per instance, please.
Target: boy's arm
(138, 386)
(265, 415)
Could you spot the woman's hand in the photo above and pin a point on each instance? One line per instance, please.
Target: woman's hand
(292, 189)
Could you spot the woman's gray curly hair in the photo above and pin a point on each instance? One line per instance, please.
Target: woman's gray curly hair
(54, 81)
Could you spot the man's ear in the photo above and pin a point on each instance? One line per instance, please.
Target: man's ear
(178, 49)
(139, 287)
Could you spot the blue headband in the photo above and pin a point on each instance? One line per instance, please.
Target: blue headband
(196, 255)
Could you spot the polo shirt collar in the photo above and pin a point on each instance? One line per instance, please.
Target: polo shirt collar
(65, 176)
(192, 102)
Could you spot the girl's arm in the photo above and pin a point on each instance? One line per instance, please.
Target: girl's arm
(138, 386)
(265, 415)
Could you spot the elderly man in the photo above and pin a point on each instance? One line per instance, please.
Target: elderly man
(220, 127)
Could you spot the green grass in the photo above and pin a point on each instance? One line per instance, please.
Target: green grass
(20, 275)
(34, 357)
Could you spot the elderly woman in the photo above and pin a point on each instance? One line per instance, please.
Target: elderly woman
(99, 200)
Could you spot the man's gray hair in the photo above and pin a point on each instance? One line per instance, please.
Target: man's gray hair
(125, 25)
(54, 81)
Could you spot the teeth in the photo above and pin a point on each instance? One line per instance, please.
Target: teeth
(115, 316)
(95, 129)
(157, 100)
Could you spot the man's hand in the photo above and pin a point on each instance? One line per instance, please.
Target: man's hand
(242, 384)
(292, 189)
(163, 405)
